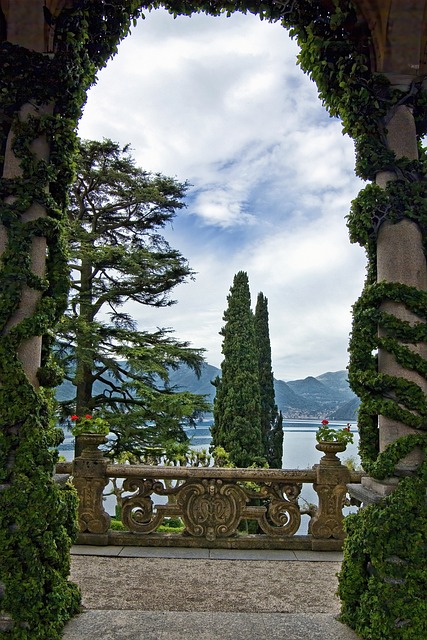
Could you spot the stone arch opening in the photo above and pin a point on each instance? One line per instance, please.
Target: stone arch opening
(301, 168)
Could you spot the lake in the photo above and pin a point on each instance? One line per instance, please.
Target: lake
(299, 451)
(299, 442)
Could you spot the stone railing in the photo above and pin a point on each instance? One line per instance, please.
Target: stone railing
(212, 502)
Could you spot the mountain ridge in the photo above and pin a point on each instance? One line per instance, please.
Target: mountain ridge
(326, 396)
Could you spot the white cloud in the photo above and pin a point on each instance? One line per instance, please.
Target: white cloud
(221, 103)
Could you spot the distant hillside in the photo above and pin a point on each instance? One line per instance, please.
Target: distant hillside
(337, 380)
(327, 396)
(347, 411)
(184, 379)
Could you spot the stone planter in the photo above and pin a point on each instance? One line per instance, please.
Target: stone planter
(89, 443)
(330, 449)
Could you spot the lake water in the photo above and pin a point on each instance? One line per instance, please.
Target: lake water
(299, 452)
(299, 442)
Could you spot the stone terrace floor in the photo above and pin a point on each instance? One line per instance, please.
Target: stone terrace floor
(206, 594)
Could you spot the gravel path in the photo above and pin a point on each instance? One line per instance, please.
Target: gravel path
(163, 584)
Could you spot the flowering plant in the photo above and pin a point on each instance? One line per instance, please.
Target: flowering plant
(329, 434)
(89, 424)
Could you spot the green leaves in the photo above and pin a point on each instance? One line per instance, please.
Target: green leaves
(237, 406)
(117, 253)
(383, 577)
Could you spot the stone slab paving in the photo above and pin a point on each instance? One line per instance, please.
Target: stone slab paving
(176, 625)
(212, 623)
(211, 554)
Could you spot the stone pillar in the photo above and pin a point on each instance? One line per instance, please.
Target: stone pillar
(26, 27)
(326, 526)
(29, 352)
(400, 258)
(25, 23)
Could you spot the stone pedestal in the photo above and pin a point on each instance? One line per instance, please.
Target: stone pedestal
(331, 487)
(90, 479)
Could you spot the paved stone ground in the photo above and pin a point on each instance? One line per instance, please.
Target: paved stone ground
(176, 625)
(132, 593)
(165, 584)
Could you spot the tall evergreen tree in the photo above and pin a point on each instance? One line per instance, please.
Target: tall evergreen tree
(118, 256)
(275, 442)
(271, 419)
(237, 405)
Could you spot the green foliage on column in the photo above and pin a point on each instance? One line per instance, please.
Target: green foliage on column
(271, 420)
(383, 581)
(37, 517)
(237, 405)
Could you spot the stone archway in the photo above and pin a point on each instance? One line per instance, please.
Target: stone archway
(41, 98)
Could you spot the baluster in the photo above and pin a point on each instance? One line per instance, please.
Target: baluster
(90, 479)
(326, 526)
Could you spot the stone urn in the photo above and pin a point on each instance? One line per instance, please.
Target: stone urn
(330, 449)
(89, 443)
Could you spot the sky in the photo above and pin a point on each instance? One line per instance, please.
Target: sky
(221, 103)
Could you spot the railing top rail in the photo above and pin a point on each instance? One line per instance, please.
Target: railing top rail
(262, 475)
(158, 471)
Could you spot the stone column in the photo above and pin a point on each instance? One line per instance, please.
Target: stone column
(26, 27)
(29, 352)
(400, 258)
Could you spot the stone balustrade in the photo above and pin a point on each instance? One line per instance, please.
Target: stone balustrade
(212, 502)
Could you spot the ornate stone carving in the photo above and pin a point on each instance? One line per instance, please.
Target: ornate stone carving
(90, 479)
(139, 513)
(91, 513)
(283, 516)
(331, 487)
(212, 501)
(211, 508)
(328, 521)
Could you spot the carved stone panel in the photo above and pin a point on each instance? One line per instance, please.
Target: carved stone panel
(328, 521)
(283, 516)
(139, 513)
(211, 508)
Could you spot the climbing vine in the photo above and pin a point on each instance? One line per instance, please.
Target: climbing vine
(384, 576)
(41, 96)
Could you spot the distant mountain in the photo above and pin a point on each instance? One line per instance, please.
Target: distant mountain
(347, 411)
(327, 396)
(287, 400)
(184, 379)
(337, 381)
(314, 390)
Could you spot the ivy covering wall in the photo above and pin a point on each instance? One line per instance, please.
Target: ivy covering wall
(383, 582)
(384, 577)
(37, 517)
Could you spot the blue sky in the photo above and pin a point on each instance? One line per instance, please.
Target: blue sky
(221, 102)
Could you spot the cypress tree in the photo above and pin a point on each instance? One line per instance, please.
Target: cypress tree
(271, 418)
(237, 405)
(275, 442)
